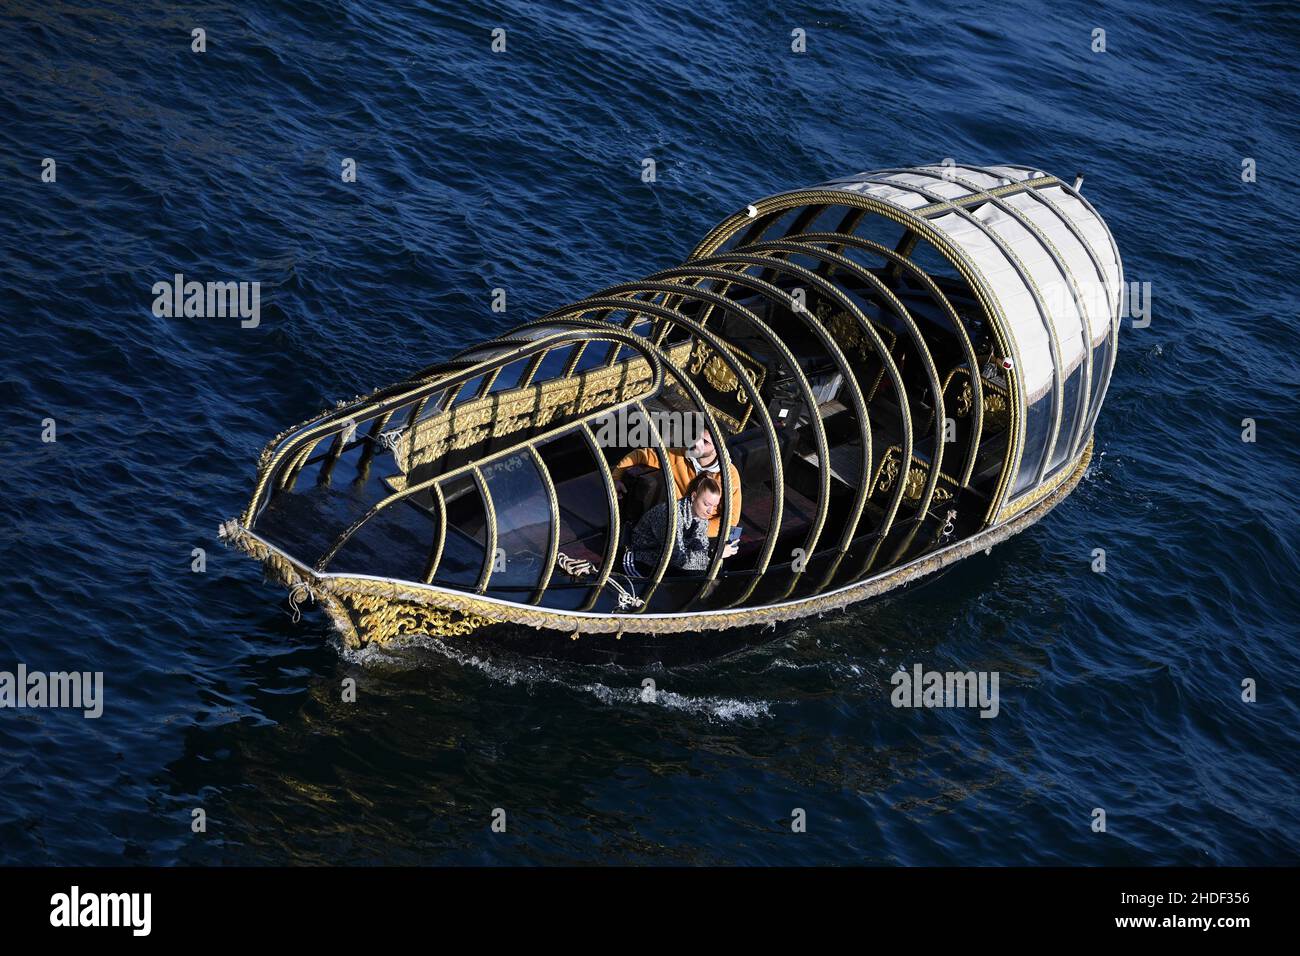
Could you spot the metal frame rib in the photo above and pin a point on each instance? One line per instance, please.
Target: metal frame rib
(997, 321)
(837, 295)
(683, 381)
(719, 348)
(932, 373)
(942, 300)
(778, 480)
(490, 542)
(706, 271)
(553, 532)
(670, 495)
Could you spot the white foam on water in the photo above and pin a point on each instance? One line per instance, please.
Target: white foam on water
(719, 708)
(712, 708)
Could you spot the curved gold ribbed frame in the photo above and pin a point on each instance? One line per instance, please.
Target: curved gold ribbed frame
(760, 266)
(915, 222)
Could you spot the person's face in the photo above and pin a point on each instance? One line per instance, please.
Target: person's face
(703, 447)
(705, 504)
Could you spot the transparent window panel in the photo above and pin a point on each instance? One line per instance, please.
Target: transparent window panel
(554, 364)
(778, 226)
(395, 543)
(594, 355)
(584, 516)
(424, 408)
(466, 540)
(469, 391)
(523, 517)
(1100, 356)
(510, 376)
(1071, 416)
(1038, 426)
(828, 219)
(306, 520)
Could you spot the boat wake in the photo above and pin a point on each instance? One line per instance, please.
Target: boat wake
(406, 652)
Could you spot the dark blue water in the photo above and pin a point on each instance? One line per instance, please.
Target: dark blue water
(522, 170)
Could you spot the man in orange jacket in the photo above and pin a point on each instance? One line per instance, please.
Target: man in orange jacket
(685, 465)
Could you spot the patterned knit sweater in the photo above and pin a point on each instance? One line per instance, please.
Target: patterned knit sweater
(691, 548)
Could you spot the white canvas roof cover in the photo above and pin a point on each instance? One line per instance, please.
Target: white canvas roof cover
(1044, 254)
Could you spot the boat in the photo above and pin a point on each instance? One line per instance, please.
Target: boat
(901, 368)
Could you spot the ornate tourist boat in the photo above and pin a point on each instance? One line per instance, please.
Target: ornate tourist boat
(904, 367)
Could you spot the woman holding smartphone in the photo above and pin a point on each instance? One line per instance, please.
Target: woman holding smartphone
(691, 548)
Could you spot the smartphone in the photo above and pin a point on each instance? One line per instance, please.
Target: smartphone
(733, 535)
